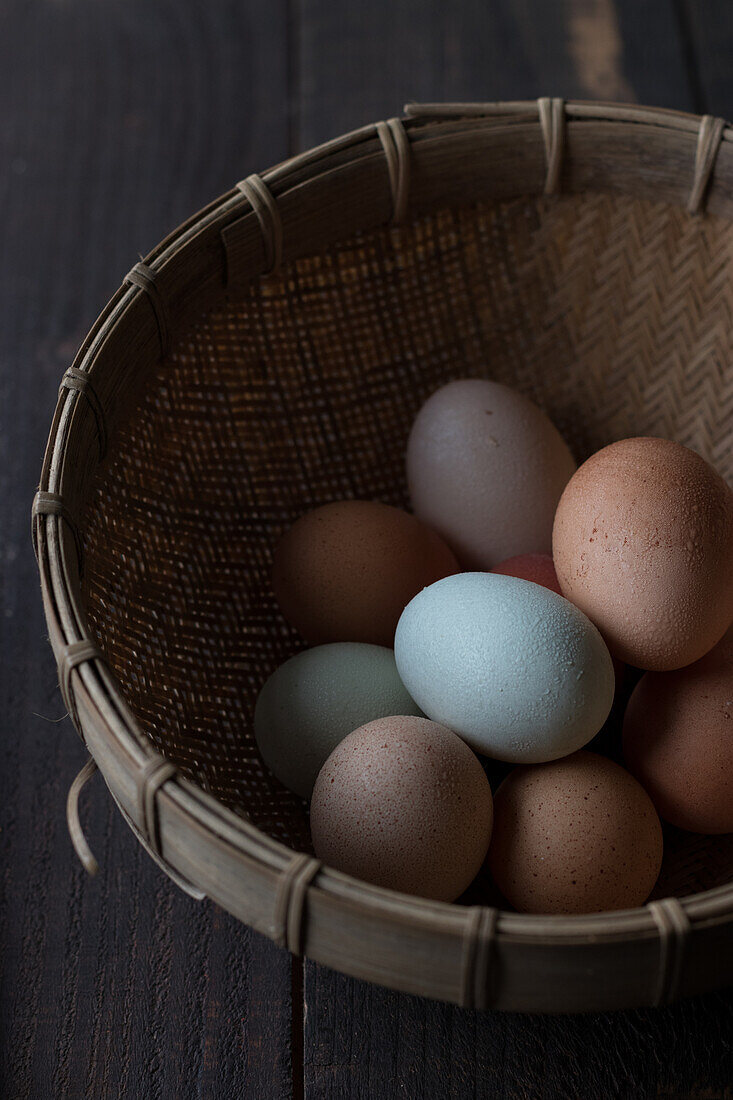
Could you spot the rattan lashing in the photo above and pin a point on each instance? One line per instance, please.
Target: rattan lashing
(399, 172)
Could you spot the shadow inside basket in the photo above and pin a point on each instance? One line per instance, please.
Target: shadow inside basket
(302, 389)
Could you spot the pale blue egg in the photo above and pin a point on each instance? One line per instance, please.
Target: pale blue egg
(309, 704)
(516, 670)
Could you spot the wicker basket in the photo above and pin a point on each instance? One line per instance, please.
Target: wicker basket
(270, 355)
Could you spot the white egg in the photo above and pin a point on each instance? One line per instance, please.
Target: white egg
(516, 670)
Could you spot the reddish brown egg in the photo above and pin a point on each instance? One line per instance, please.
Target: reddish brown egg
(539, 568)
(578, 835)
(678, 741)
(402, 802)
(345, 572)
(643, 544)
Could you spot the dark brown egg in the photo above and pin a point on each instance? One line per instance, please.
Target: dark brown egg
(345, 572)
(643, 544)
(402, 802)
(578, 835)
(678, 741)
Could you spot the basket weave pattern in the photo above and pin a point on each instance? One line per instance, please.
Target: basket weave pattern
(268, 358)
(304, 390)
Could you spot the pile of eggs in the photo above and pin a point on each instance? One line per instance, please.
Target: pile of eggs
(495, 622)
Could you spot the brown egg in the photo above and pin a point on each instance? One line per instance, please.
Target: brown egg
(643, 544)
(402, 802)
(678, 741)
(578, 835)
(346, 571)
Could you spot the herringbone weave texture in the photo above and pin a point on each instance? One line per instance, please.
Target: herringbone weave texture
(613, 314)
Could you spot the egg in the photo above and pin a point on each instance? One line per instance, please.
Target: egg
(539, 568)
(678, 741)
(579, 835)
(403, 803)
(485, 469)
(516, 670)
(345, 571)
(643, 544)
(316, 698)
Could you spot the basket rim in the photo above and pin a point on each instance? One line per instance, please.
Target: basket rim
(102, 690)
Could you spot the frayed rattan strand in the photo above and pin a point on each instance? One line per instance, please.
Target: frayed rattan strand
(396, 145)
(76, 833)
(155, 773)
(673, 926)
(709, 138)
(478, 939)
(262, 201)
(144, 277)
(552, 124)
(292, 890)
(51, 504)
(79, 381)
(74, 655)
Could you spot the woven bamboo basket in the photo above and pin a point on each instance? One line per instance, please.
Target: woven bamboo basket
(269, 356)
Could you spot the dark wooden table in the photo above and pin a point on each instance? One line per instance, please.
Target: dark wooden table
(119, 118)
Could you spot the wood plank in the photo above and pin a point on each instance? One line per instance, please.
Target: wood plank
(362, 1041)
(119, 120)
(632, 51)
(361, 62)
(351, 72)
(709, 31)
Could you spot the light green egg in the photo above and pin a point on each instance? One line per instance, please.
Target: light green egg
(319, 696)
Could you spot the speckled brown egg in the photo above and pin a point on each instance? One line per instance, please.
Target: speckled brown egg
(579, 835)
(402, 802)
(678, 741)
(643, 544)
(345, 572)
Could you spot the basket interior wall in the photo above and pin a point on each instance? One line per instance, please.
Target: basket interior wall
(614, 314)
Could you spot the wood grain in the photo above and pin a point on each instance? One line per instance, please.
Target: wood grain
(708, 30)
(122, 986)
(350, 73)
(362, 1041)
(119, 986)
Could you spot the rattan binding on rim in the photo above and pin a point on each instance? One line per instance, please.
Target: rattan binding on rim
(79, 382)
(156, 771)
(708, 143)
(290, 901)
(477, 957)
(261, 199)
(674, 928)
(396, 145)
(53, 504)
(552, 122)
(74, 655)
(144, 277)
